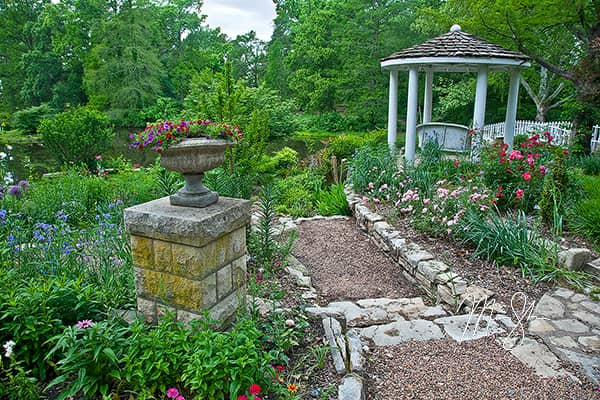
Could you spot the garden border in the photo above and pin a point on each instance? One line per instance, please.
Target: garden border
(418, 265)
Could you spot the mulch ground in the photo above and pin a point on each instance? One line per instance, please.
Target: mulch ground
(344, 265)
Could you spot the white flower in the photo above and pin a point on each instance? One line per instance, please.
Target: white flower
(8, 147)
(8, 347)
(2, 155)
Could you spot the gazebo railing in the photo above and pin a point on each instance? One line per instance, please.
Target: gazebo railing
(561, 131)
(595, 142)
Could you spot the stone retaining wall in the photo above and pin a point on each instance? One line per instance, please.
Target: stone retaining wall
(416, 264)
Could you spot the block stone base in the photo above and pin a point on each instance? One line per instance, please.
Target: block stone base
(189, 260)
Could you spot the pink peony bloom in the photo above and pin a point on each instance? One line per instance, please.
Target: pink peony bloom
(527, 176)
(172, 393)
(519, 193)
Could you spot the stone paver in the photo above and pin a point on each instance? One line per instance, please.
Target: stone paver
(538, 357)
(549, 307)
(568, 327)
(469, 327)
(400, 331)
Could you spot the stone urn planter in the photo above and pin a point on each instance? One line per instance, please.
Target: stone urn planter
(192, 157)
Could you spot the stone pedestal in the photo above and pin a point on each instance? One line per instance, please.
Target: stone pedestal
(188, 260)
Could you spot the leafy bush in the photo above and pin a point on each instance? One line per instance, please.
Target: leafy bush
(297, 194)
(372, 167)
(279, 163)
(79, 196)
(33, 311)
(344, 146)
(28, 120)
(91, 358)
(220, 365)
(584, 216)
(333, 201)
(518, 176)
(77, 135)
(239, 183)
(589, 164)
(155, 357)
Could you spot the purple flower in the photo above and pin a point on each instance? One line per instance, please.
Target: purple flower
(15, 191)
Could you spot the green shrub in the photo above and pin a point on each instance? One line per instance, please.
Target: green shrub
(511, 240)
(33, 311)
(90, 360)
(221, 365)
(589, 164)
(79, 196)
(344, 146)
(239, 184)
(279, 163)
(333, 201)
(155, 357)
(77, 136)
(372, 167)
(297, 194)
(584, 216)
(28, 120)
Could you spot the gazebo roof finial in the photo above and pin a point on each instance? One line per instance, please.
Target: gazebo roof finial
(455, 28)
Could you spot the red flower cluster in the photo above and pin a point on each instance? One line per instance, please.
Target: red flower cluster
(160, 135)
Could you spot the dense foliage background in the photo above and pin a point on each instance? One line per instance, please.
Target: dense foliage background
(141, 60)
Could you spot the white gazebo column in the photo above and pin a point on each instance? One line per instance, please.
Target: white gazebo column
(427, 100)
(480, 98)
(511, 108)
(411, 114)
(393, 109)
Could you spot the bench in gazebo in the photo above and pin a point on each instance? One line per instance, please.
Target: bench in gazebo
(451, 138)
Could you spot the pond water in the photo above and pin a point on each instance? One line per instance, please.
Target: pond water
(34, 158)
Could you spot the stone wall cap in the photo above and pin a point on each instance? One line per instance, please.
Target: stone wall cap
(158, 219)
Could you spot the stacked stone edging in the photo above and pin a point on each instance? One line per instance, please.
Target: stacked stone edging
(418, 266)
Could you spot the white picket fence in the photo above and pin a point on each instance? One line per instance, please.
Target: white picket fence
(561, 131)
(595, 142)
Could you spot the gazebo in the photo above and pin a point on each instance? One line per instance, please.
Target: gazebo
(455, 51)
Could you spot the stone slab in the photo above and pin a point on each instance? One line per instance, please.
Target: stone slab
(357, 360)
(469, 327)
(590, 342)
(549, 307)
(571, 325)
(337, 344)
(401, 331)
(539, 357)
(158, 219)
(540, 326)
(575, 258)
(589, 364)
(588, 318)
(352, 388)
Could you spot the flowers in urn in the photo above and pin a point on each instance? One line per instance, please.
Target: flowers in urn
(159, 136)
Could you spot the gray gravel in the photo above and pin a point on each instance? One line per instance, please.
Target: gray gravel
(476, 370)
(344, 265)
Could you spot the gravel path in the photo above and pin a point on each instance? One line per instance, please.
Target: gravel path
(344, 265)
(476, 370)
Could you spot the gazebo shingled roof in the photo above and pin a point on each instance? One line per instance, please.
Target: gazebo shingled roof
(457, 44)
(455, 51)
